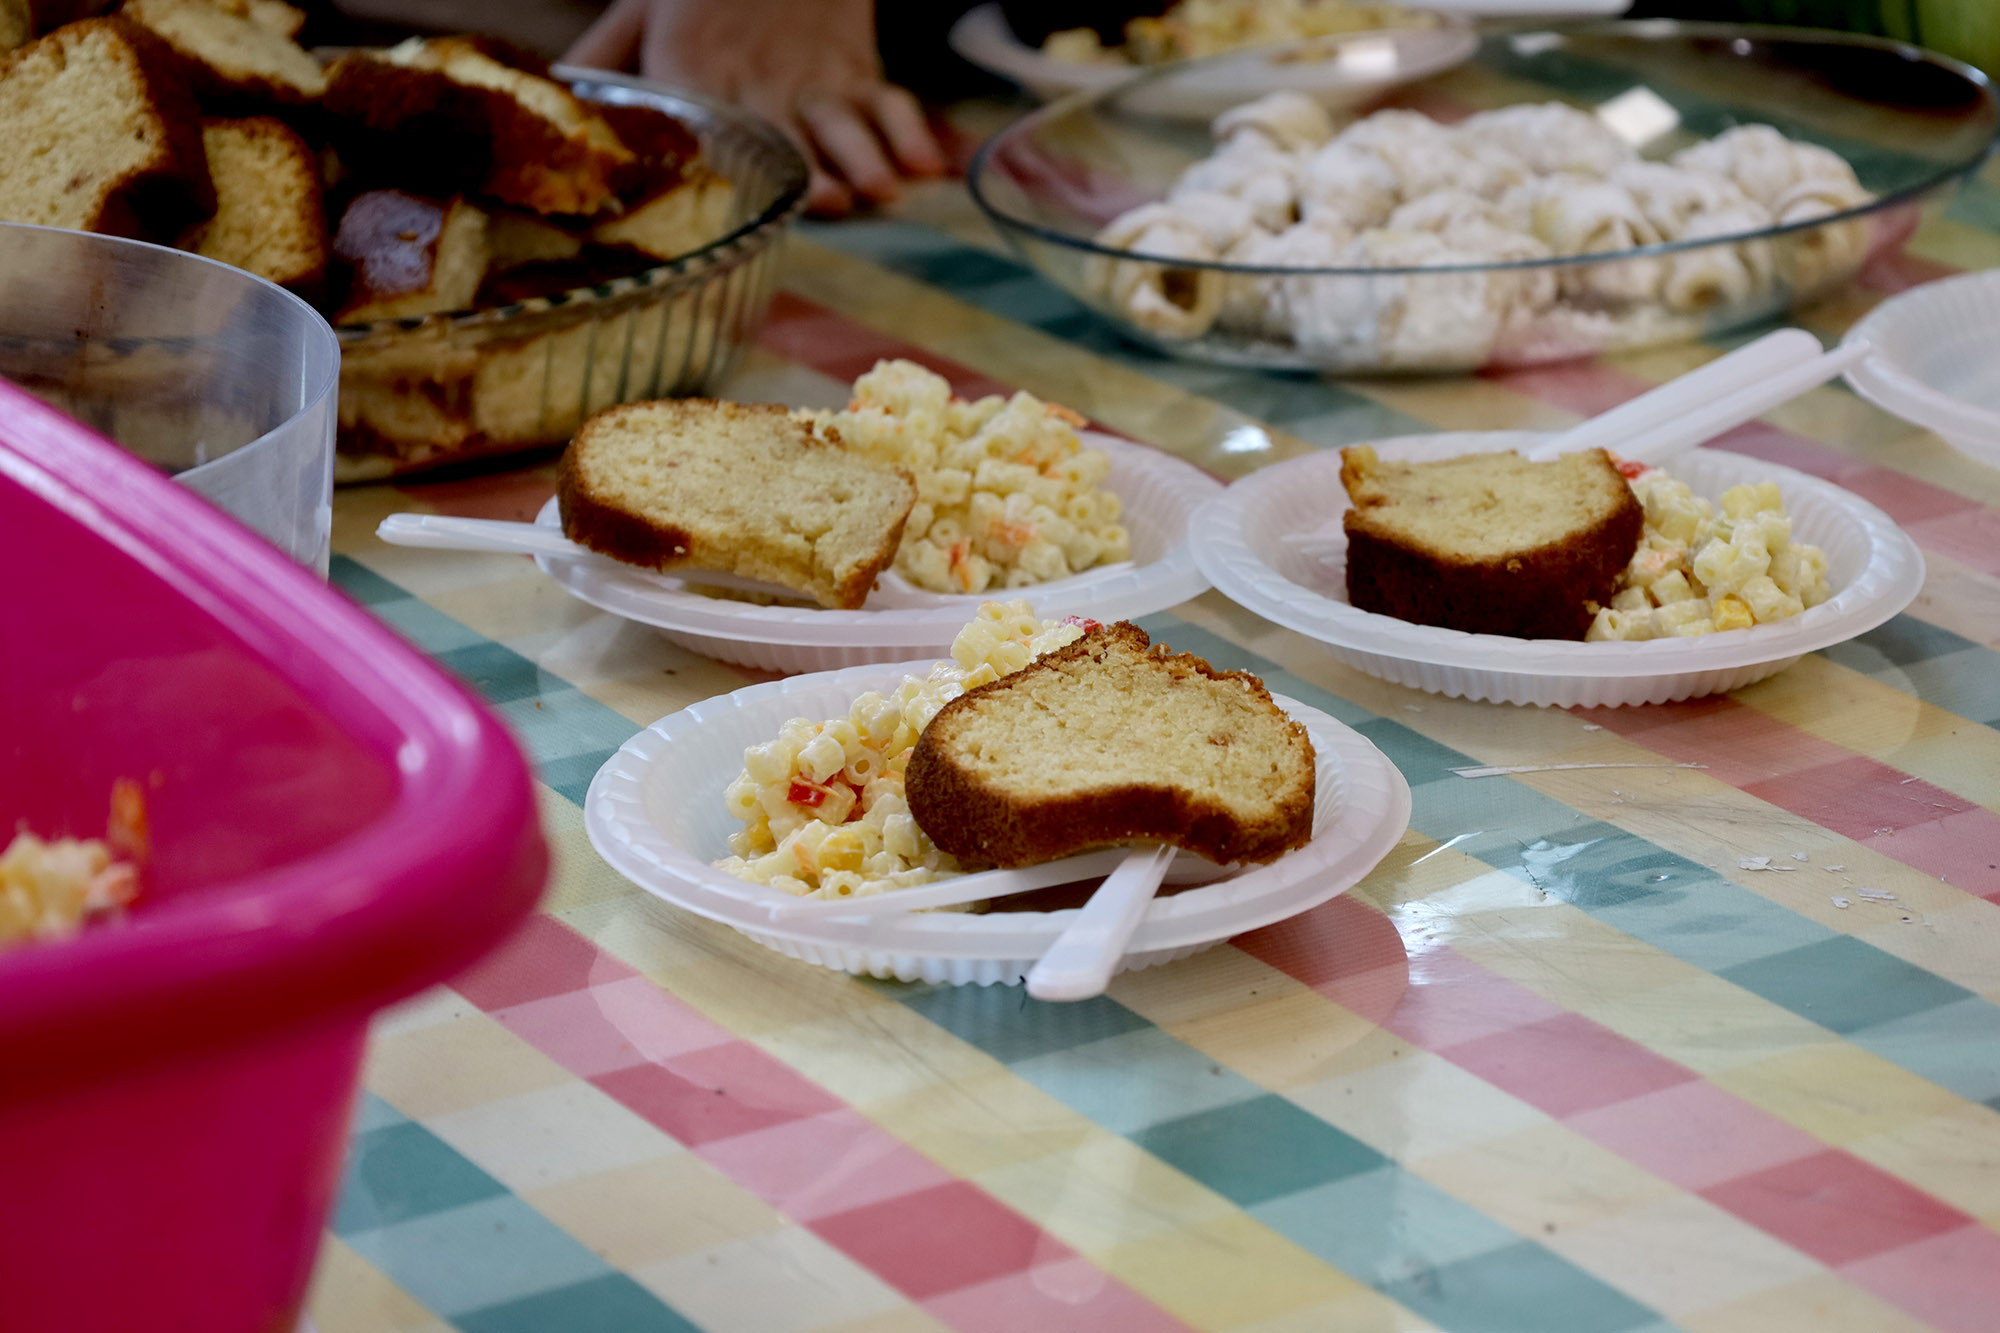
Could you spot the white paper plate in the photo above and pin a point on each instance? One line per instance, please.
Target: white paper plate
(1160, 494)
(1357, 66)
(1934, 363)
(655, 812)
(1874, 567)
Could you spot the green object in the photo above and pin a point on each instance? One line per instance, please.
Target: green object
(1966, 29)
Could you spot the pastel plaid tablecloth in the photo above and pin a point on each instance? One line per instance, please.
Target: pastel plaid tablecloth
(1564, 1063)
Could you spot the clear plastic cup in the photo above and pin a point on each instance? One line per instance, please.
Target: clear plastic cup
(216, 376)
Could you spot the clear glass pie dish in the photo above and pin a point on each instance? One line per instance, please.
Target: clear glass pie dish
(1910, 123)
(421, 393)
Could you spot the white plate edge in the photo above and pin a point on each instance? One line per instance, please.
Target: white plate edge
(1233, 568)
(1372, 787)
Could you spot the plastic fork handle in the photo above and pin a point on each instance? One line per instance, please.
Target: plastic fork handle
(1710, 419)
(1080, 962)
(1724, 375)
(449, 533)
(446, 532)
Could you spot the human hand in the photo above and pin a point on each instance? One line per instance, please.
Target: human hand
(808, 66)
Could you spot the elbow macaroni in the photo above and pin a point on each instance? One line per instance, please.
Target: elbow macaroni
(1007, 496)
(1697, 572)
(822, 803)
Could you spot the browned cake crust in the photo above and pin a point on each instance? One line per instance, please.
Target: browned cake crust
(229, 57)
(420, 122)
(964, 813)
(155, 191)
(662, 149)
(269, 216)
(603, 525)
(1533, 592)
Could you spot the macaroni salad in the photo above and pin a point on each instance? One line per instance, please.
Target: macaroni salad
(1007, 496)
(51, 888)
(822, 805)
(1697, 572)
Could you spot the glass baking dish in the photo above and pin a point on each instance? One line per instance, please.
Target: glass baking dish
(420, 393)
(1911, 123)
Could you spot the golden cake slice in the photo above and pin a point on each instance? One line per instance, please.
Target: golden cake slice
(230, 54)
(747, 489)
(268, 215)
(1108, 740)
(1488, 543)
(99, 132)
(477, 115)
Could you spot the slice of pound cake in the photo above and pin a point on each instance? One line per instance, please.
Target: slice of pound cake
(1108, 740)
(231, 54)
(1488, 543)
(268, 217)
(99, 132)
(748, 489)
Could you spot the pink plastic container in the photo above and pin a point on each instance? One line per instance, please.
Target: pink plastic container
(335, 825)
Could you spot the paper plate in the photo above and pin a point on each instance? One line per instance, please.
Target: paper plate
(655, 813)
(1934, 363)
(1355, 66)
(1239, 539)
(1160, 494)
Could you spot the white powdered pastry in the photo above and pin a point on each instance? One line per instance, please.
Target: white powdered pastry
(1548, 138)
(1413, 321)
(1513, 185)
(1173, 302)
(1287, 120)
(1350, 186)
(1249, 168)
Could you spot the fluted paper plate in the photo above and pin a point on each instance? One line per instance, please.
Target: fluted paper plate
(1351, 67)
(1239, 539)
(1933, 363)
(655, 813)
(1160, 494)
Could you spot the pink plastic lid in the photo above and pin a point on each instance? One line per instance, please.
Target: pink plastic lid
(335, 822)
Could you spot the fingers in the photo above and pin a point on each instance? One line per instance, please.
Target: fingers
(901, 123)
(613, 40)
(827, 197)
(661, 55)
(847, 143)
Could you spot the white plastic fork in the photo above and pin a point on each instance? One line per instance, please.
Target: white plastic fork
(451, 533)
(1701, 421)
(1079, 964)
(1678, 415)
(448, 532)
(985, 885)
(1743, 368)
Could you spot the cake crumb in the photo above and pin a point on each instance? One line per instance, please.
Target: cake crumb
(1758, 863)
(1839, 901)
(1799, 856)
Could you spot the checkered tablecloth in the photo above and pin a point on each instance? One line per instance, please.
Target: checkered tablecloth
(1560, 1065)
